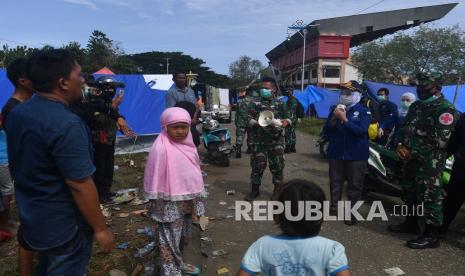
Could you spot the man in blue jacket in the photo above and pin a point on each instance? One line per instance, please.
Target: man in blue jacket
(348, 149)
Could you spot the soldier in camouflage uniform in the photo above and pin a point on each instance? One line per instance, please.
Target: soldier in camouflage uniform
(267, 142)
(241, 122)
(422, 146)
(290, 130)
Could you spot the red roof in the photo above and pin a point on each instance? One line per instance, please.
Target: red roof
(104, 71)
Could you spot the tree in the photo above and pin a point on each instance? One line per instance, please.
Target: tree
(402, 57)
(7, 54)
(78, 52)
(244, 70)
(101, 51)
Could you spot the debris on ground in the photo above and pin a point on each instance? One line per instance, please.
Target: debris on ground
(394, 271)
(123, 245)
(203, 222)
(144, 251)
(122, 215)
(125, 196)
(223, 203)
(142, 212)
(147, 230)
(232, 207)
(149, 269)
(230, 192)
(116, 209)
(137, 201)
(219, 252)
(105, 211)
(116, 167)
(222, 270)
(137, 270)
(116, 272)
(204, 174)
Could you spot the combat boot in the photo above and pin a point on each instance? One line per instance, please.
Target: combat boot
(253, 194)
(409, 226)
(429, 238)
(292, 148)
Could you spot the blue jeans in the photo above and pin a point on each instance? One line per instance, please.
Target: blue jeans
(70, 259)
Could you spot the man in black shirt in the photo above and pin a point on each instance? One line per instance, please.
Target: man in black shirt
(16, 73)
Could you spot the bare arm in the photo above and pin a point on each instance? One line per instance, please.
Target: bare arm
(243, 273)
(343, 273)
(86, 198)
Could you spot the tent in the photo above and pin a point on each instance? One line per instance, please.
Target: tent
(396, 91)
(143, 102)
(104, 71)
(6, 87)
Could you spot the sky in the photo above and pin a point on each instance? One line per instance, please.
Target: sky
(217, 31)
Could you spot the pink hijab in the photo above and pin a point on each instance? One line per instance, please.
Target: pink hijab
(173, 170)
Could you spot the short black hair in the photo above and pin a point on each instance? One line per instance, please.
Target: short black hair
(294, 191)
(175, 74)
(188, 106)
(271, 80)
(386, 91)
(17, 70)
(46, 67)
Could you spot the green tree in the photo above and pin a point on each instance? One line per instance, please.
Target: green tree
(244, 70)
(78, 52)
(400, 58)
(101, 51)
(7, 54)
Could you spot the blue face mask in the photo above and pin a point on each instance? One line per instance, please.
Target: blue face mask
(265, 93)
(381, 97)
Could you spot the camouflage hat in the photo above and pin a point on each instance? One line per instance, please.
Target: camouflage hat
(427, 78)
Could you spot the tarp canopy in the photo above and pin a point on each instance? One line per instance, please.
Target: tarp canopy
(311, 95)
(6, 88)
(104, 71)
(396, 91)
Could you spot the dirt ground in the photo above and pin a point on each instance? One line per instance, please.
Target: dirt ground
(370, 248)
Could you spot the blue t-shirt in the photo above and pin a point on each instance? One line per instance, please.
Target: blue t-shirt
(47, 144)
(3, 148)
(280, 256)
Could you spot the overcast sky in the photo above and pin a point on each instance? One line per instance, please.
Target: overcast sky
(217, 31)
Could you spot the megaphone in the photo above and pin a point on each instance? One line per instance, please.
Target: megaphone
(266, 118)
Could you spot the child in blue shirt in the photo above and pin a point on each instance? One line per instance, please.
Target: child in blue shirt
(299, 250)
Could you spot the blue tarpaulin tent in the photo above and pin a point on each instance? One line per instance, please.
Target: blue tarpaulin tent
(311, 95)
(396, 91)
(323, 107)
(142, 105)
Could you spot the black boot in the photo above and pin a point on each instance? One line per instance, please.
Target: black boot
(292, 148)
(429, 238)
(287, 149)
(238, 151)
(253, 194)
(249, 150)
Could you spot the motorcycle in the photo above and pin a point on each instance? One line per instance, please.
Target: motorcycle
(384, 170)
(216, 139)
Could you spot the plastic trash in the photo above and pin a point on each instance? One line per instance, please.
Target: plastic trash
(394, 271)
(149, 269)
(144, 251)
(123, 245)
(220, 252)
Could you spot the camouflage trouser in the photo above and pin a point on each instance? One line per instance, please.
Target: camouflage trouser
(418, 187)
(290, 135)
(274, 155)
(240, 134)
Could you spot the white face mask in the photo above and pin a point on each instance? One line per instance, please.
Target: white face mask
(346, 100)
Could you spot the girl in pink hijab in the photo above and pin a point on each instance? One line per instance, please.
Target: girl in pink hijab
(174, 184)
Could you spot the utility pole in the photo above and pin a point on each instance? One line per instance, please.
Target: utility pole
(167, 65)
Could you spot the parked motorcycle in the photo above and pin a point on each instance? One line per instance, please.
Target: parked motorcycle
(384, 170)
(216, 139)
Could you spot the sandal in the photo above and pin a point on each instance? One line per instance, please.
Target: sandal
(190, 269)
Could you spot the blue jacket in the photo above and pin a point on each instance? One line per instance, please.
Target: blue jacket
(349, 141)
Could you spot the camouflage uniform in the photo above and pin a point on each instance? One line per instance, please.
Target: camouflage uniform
(428, 127)
(267, 143)
(290, 130)
(241, 121)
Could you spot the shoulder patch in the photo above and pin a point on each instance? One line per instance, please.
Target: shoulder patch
(446, 119)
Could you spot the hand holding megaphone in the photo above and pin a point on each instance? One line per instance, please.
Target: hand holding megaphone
(266, 118)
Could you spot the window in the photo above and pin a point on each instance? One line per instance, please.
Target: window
(314, 73)
(331, 71)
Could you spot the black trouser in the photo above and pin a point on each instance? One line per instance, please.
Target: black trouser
(341, 171)
(455, 193)
(104, 160)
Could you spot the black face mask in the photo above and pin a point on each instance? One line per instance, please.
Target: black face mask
(424, 93)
